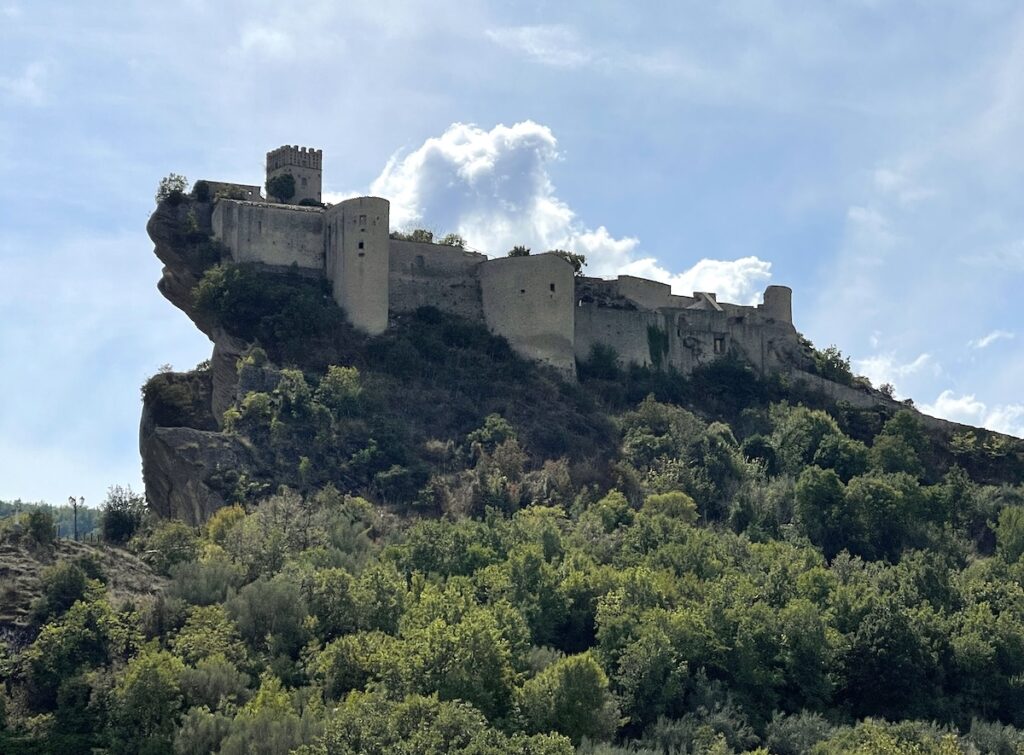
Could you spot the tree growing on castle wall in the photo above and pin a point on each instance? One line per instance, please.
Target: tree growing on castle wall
(453, 239)
(281, 187)
(578, 261)
(519, 251)
(172, 187)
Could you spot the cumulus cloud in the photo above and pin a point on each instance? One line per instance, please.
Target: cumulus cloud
(493, 188)
(887, 368)
(985, 341)
(1007, 418)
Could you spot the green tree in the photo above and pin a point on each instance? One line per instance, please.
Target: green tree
(822, 512)
(63, 583)
(208, 631)
(171, 542)
(518, 251)
(281, 187)
(148, 702)
(1010, 533)
(172, 187)
(453, 239)
(571, 697)
(578, 261)
(123, 511)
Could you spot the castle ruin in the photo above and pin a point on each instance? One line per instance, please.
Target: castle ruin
(545, 311)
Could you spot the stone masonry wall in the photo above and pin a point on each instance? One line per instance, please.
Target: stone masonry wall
(273, 234)
(434, 275)
(529, 301)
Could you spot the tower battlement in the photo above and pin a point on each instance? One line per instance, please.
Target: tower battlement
(304, 164)
(300, 157)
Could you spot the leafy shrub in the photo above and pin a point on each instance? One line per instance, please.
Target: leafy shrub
(123, 511)
(281, 187)
(62, 585)
(39, 527)
(832, 365)
(171, 189)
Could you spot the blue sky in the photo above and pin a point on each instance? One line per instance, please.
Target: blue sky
(866, 153)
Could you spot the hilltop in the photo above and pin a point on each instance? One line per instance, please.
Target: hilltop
(437, 538)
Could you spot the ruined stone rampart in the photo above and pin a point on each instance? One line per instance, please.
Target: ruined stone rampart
(434, 275)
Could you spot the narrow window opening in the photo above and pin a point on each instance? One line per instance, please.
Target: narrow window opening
(551, 286)
(362, 220)
(361, 244)
(303, 182)
(259, 226)
(362, 254)
(522, 290)
(719, 345)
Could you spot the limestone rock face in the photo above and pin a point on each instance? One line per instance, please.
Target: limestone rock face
(186, 470)
(181, 270)
(226, 352)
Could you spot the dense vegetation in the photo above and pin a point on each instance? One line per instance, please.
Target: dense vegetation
(445, 549)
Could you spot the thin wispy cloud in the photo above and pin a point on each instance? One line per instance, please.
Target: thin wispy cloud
(985, 341)
(30, 85)
(552, 45)
(899, 184)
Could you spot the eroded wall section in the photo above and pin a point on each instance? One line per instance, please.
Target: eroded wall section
(434, 275)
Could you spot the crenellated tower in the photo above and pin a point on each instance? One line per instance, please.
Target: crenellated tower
(305, 165)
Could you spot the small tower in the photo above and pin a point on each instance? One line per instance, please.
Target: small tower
(778, 303)
(357, 254)
(304, 164)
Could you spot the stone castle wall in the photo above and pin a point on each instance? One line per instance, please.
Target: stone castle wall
(272, 234)
(535, 302)
(434, 275)
(529, 301)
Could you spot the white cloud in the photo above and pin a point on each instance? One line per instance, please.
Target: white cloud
(30, 85)
(1009, 257)
(263, 40)
(869, 224)
(886, 368)
(1008, 418)
(561, 46)
(898, 184)
(493, 188)
(986, 341)
(552, 45)
(739, 281)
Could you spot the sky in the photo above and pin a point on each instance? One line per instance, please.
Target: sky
(865, 153)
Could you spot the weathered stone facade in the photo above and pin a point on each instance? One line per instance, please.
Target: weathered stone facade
(546, 313)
